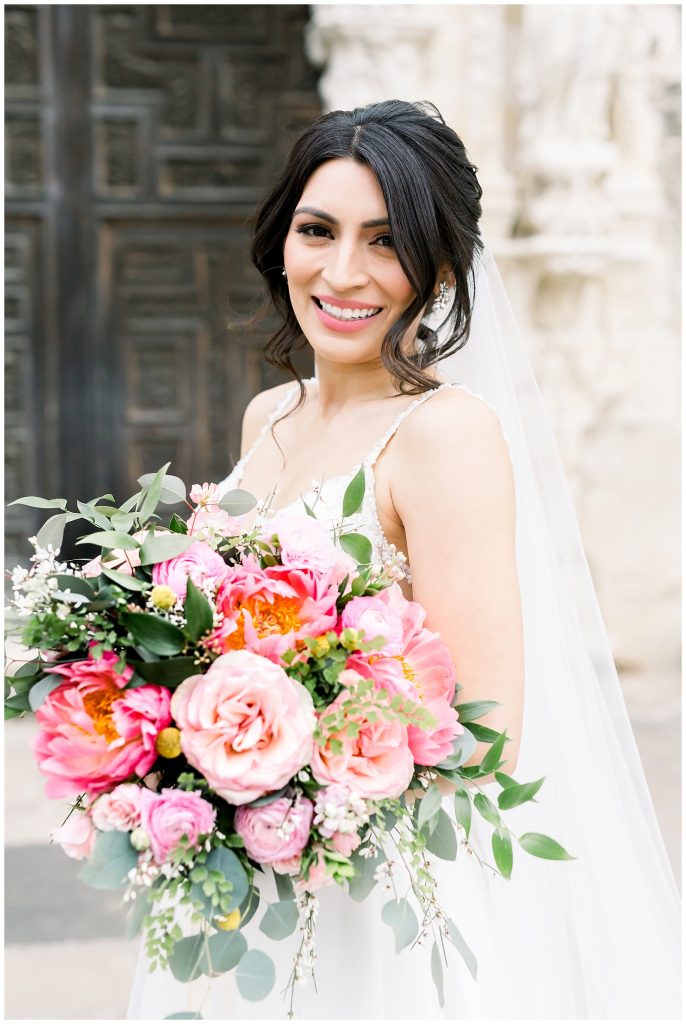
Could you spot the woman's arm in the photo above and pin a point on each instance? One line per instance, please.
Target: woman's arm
(453, 490)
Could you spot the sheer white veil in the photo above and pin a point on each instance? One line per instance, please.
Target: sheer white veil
(614, 912)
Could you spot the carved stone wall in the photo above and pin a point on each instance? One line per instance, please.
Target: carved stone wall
(571, 114)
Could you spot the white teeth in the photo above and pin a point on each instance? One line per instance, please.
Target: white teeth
(348, 314)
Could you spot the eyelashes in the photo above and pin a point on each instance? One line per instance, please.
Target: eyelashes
(307, 229)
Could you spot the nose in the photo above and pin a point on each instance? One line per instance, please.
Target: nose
(345, 269)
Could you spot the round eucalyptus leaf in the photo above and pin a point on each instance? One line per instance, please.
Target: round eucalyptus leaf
(255, 975)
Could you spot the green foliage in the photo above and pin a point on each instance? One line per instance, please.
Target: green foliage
(487, 809)
(255, 975)
(198, 612)
(152, 491)
(464, 746)
(357, 546)
(491, 759)
(109, 539)
(164, 546)
(171, 491)
(280, 919)
(237, 502)
(475, 709)
(154, 633)
(515, 793)
(40, 690)
(362, 882)
(501, 844)
(170, 672)
(539, 845)
(463, 810)
(442, 841)
(354, 494)
(112, 859)
(461, 946)
(437, 973)
(400, 916)
(429, 804)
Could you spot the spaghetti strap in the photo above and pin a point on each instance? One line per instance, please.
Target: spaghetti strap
(280, 407)
(380, 445)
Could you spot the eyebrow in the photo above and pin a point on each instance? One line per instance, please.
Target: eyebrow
(377, 223)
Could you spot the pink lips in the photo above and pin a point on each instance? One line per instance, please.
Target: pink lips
(344, 326)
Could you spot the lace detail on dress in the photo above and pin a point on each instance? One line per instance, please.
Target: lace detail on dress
(326, 500)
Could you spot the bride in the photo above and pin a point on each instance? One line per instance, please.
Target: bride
(370, 247)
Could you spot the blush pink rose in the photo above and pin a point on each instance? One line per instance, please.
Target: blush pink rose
(376, 618)
(118, 811)
(277, 831)
(77, 836)
(199, 562)
(93, 731)
(431, 746)
(171, 815)
(376, 763)
(245, 724)
(270, 610)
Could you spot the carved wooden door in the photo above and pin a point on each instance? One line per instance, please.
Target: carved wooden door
(139, 140)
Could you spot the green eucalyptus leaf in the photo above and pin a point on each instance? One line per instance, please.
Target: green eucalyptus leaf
(123, 579)
(362, 882)
(255, 975)
(34, 502)
(463, 810)
(517, 794)
(164, 546)
(429, 804)
(284, 886)
(184, 1015)
(154, 633)
(225, 949)
(475, 709)
(172, 489)
(539, 845)
(462, 947)
(354, 494)
(487, 808)
(199, 618)
(123, 521)
(40, 690)
(237, 502)
(226, 861)
(280, 919)
(442, 842)
(131, 502)
(112, 859)
(138, 910)
(464, 746)
(400, 916)
(501, 844)
(357, 546)
(76, 584)
(110, 539)
(249, 906)
(188, 957)
(51, 532)
(437, 973)
(152, 493)
(95, 517)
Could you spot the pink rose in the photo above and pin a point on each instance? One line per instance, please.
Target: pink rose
(269, 610)
(77, 836)
(171, 815)
(245, 725)
(93, 731)
(199, 562)
(376, 763)
(345, 842)
(118, 811)
(375, 616)
(276, 831)
(431, 746)
(318, 877)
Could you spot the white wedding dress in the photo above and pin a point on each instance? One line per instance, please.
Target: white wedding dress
(595, 937)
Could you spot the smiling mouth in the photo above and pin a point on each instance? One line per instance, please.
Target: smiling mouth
(341, 313)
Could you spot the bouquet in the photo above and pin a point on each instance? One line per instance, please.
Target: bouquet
(221, 703)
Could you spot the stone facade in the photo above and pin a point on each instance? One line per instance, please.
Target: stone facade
(571, 115)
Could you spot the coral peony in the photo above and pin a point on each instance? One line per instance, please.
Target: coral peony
(77, 836)
(376, 763)
(268, 610)
(431, 746)
(172, 815)
(245, 725)
(199, 562)
(119, 810)
(276, 831)
(93, 731)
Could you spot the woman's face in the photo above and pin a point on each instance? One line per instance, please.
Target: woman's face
(345, 281)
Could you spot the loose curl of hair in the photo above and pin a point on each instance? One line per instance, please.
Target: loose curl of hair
(433, 200)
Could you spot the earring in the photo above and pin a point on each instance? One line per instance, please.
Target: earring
(441, 301)
(284, 274)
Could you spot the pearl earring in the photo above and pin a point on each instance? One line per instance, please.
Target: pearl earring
(441, 301)
(284, 274)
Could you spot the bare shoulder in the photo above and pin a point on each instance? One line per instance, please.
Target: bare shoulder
(258, 411)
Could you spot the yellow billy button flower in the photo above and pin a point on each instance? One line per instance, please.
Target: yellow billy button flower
(163, 597)
(320, 647)
(229, 923)
(168, 742)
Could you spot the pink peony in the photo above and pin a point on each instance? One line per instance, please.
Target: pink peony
(171, 815)
(269, 610)
(118, 811)
(431, 746)
(375, 617)
(245, 725)
(93, 731)
(77, 836)
(376, 763)
(423, 669)
(199, 562)
(277, 831)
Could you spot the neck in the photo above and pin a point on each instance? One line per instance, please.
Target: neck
(340, 385)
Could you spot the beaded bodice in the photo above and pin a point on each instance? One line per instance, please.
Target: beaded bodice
(326, 500)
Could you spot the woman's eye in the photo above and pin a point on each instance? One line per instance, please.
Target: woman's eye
(310, 229)
(387, 240)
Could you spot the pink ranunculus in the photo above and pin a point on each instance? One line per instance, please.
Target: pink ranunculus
(118, 811)
(172, 814)
(376, 763)
(305, 542)
(431, 746)
(345, 842)
(199, 562)
(94, 732)
(245, 724)
(375, 617)
(277, 831)
(270, 610)
(77, 836)
(318, 877)
(117, 558)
